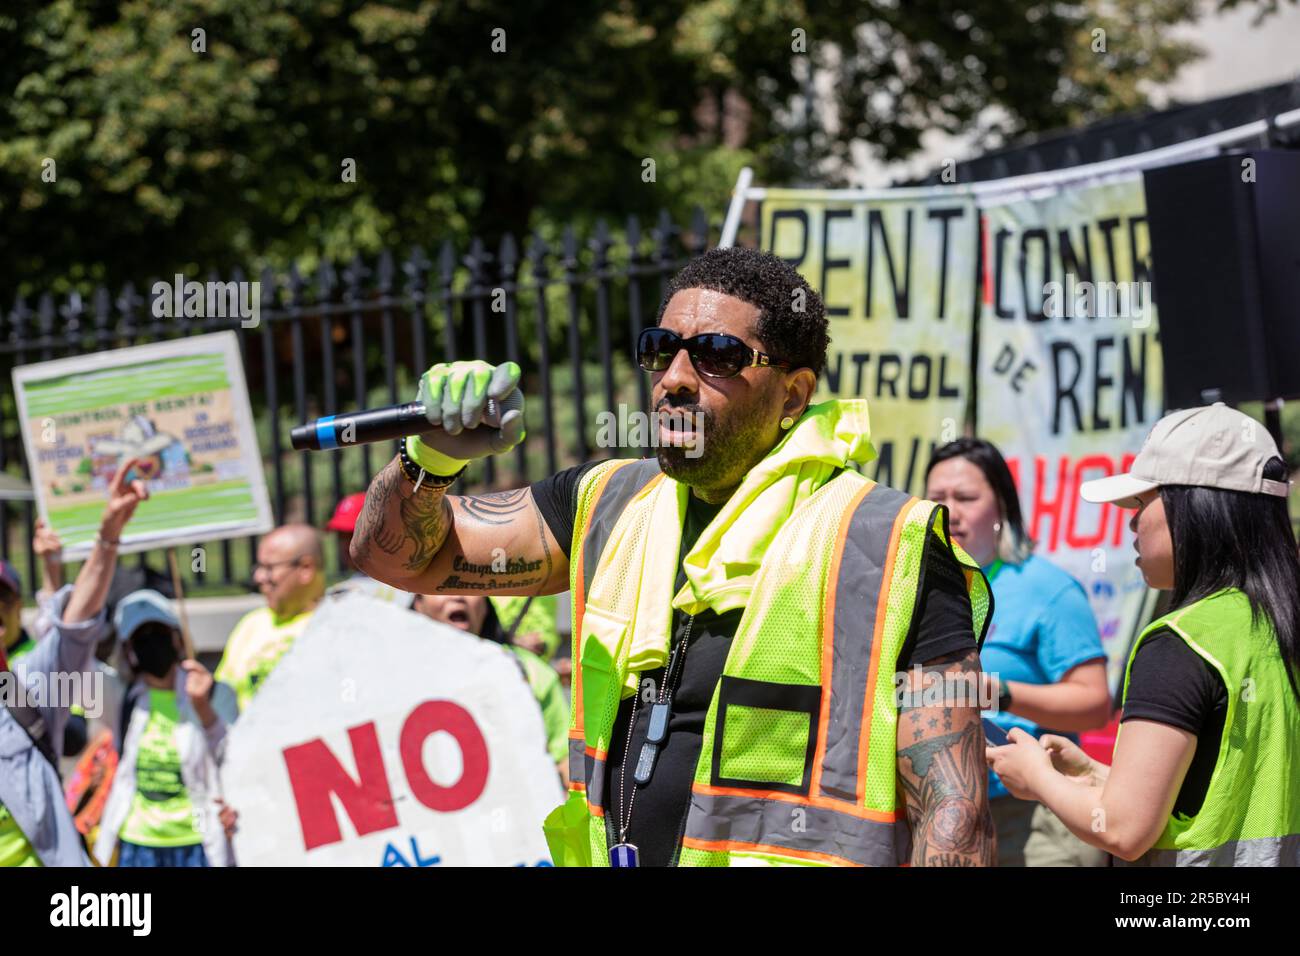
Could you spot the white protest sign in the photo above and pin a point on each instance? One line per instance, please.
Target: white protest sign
(181, 407)
(385, 739)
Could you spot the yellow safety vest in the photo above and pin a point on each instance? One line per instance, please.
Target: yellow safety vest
(1251, 812)
(798, 758)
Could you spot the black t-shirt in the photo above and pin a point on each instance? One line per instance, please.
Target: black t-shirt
(1172, 684)
(658, 809)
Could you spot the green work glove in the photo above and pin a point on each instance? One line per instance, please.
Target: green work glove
(455, 397)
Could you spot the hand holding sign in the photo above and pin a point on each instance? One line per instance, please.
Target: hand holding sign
(123, 498)
(96, 575)
(49, 548)
(198, 687)
(45, 543)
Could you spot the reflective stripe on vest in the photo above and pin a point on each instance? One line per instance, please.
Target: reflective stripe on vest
(1262, 851)
(603, 494)
(728, 822)
(584, 766)
(859, 570)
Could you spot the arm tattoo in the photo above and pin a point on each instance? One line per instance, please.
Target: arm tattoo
(425, 520)
(370, 531)
(497, 507)
(546, 548)
(945, 780)
(399, 524)
(459, 585)
(501, 508)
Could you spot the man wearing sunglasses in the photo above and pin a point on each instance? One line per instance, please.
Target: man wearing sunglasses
(742, 601)
(290, 574)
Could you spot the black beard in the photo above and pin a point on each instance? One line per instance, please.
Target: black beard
(730, 450)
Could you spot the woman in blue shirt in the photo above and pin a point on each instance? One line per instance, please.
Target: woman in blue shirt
(1042, 656)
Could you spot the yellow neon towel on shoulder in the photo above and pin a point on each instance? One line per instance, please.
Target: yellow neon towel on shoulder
(639, 563)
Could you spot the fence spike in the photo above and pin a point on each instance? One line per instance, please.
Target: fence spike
(599, 244)
(633, 238)
(45, 314)
(19, 317)
(269, 287)
(446, 262)
(417, 267)
(327, 282)
(384, 272)
(664, 231)
(354, 276)
(699, 231)
(508, 255)
(477, 256)
(128, 303)
(151, 320)
(103, 306)
(71, 312)
(295, 283)
(538, 251)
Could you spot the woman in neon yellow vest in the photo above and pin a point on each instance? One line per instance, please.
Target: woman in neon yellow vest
(1206, 768)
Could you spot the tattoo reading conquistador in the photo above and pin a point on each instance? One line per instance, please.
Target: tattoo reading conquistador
(511, 566)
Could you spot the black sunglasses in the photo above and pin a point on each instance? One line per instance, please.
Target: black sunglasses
(714, 354)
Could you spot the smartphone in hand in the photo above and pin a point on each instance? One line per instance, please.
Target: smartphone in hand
(995, 735)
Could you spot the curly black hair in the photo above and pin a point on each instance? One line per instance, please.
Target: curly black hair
(800, 336)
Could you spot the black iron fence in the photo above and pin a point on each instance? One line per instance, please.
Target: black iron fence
(335, 336)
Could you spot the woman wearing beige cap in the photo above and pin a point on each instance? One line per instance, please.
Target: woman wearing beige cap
(1206, 767)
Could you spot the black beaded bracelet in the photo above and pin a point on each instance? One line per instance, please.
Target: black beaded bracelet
(421, 478)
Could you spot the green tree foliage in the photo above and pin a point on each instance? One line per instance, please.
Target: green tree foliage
(177, 150)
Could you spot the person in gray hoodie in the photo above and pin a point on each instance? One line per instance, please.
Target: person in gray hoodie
(36, 827)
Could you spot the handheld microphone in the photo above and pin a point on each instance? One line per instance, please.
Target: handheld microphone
(383, 424)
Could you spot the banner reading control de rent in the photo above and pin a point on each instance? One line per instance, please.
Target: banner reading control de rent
(1070, 373)
(897, 271)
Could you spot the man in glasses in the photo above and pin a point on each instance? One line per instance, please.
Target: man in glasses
(290, 574)
(742, 601)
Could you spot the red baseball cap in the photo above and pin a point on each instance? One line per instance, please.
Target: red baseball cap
(347, 512)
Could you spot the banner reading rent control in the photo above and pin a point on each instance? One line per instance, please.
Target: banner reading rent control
(1070, 376)
(897, 273)
(180, 406)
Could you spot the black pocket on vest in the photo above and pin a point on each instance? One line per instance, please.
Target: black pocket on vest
(765, 736)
